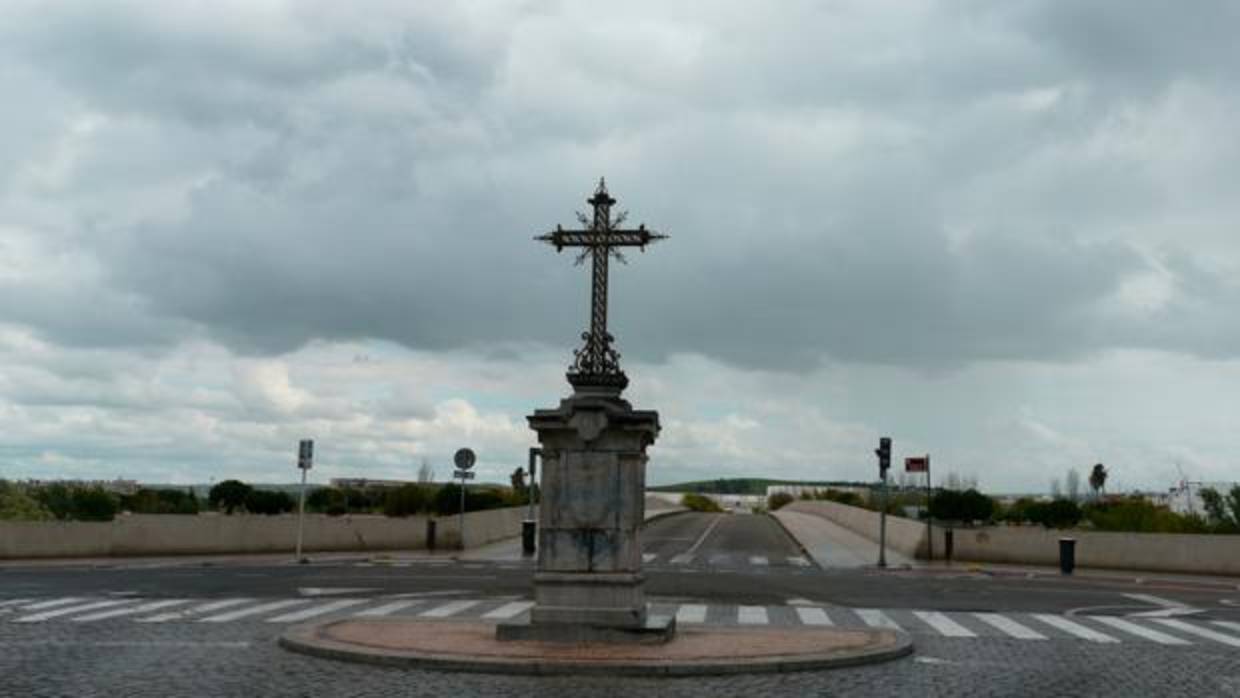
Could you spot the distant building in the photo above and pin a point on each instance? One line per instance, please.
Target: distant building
(116, 486)
(361, 483)
(797, 490)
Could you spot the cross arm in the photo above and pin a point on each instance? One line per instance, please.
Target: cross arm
(561, 238)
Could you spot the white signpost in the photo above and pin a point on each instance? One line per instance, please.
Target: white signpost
(305, 460)
(464, 460)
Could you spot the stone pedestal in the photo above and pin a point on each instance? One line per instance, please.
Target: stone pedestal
(589, 585)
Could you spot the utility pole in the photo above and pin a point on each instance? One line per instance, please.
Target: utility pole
(884, 463)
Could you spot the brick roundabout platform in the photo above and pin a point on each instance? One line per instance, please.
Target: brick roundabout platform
(472, 647)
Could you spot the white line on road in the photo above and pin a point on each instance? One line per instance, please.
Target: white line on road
(758, 560)
(313, 611)
(752, 615)
(66, 610)
(798, 561)
(682, 559)
(944, 625)
(12, 602)
(387, 608)
(1009, 626)
(152, 606)
(53, 603)
(1139, 630)
(509, 610)
(688, 554)
(1228, 624)
(877, 619)
(205, 608)
(1200, 632)
(648, 557)
(449, 609)
(691, 613)
(252, 611)
(1075, 629)
(813, 616)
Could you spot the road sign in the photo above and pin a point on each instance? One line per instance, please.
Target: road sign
(305, 454)
(463, 474)
(464, 459)
(916, 464)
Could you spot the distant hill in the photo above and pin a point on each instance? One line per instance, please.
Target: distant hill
(747, 485)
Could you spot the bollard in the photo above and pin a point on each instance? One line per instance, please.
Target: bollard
(949, 543)
(430, 534)
(1067, 555)
(528, 530)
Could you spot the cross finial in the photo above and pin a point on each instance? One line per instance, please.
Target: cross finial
(597, 364)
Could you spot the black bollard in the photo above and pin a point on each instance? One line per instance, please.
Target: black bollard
(1067, 555)
(528, 530)
(430, 534)
(949, 544)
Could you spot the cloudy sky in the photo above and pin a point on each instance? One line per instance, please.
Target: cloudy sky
(1001, 233)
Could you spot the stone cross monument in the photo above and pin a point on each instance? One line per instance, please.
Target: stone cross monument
(588, 583)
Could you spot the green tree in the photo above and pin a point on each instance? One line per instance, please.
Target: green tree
(1215, 506)
(269, 502)
(327, 500)
(407, 500)
(229, 495)
(1098, 479)
(17, 505)
(699, 502)
(57, 499)
(777, 500)
(94, 504)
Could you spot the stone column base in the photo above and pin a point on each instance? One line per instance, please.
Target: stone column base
(656, 630)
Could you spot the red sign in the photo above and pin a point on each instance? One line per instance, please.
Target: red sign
(917, 464)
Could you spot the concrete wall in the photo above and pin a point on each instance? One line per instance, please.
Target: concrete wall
(1030, 545)
(148, 534)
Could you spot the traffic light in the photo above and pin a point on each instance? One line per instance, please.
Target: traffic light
(884, 456)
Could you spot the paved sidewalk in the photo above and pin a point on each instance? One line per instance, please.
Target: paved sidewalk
(832, 545)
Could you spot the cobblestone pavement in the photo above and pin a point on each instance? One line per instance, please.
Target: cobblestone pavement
(242, 659)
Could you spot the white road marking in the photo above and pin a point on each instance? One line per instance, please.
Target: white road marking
(688, 554)
(152, 606)
(1200, 632)
(509, 610)
(205, 608)
(448, 609)
(798, 561)
(649, 557)
(682, 559)
(876, 618)
(1140, 630)
(387, 608)
(752, 615)
(1009, 626)
(251, 611)
(53, 603)
(1228, 624)
(12, 602)
(1169, 607)
(328, 591)
(800, 602)
(1075, 629)
(944, 625)
(811, 615)
(691, 613)
(66, 610)
(313, 611)
(758, 560)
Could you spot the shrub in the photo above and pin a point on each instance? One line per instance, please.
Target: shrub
(168, 501)
(94, 504)
(699, 502)
(268, 502)
(57, 499)
(328, 500)
(229, 494)
(407, 500)
(17, 505)
(1140, 515)
(448, 499)
(1060, 513)
(777, 500)
(967, 506)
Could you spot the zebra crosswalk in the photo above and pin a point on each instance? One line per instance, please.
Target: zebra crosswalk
(957, 625)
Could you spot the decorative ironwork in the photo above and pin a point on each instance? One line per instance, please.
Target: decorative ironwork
(596, 363)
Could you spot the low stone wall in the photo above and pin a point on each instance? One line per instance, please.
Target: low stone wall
(206, 534)
(1030, 545)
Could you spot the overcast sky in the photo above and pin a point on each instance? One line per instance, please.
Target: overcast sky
(1001, 233)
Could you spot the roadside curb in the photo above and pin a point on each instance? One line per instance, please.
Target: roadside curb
(544, 659)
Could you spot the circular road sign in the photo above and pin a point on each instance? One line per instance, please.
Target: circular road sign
(464, 459)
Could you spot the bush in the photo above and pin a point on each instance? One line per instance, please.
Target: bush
(699, 502)
(268, 502)
(229, 494)
(408, 500)
(967, 506)
(1140, 515)
(777, 500)
(17, 505)
(167, 501)
(448, 499)
(328, 500)
(57, 499)
(94, 504)
(1060, 513)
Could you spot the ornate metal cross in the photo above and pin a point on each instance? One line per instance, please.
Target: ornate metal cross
(597, 363)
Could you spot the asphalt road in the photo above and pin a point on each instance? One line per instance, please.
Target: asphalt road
(164, 628)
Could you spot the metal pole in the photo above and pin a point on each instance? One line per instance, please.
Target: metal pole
(301, 513)
(462, 526)
(929, 528)
(882, 526)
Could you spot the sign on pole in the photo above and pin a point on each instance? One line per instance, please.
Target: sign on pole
(464, 459)
(305, 454)
(917, 464)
